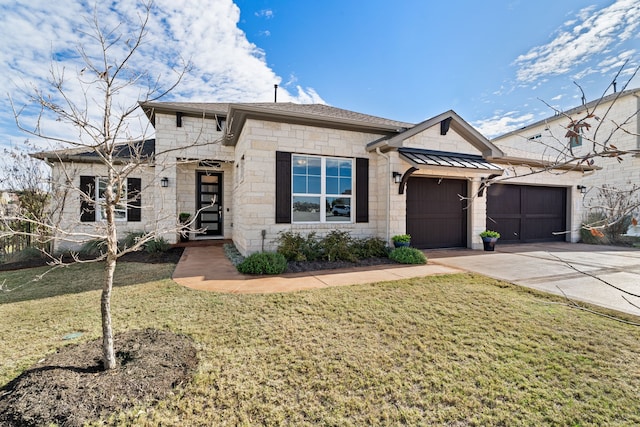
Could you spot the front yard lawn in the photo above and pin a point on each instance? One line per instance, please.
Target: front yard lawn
(458, 349)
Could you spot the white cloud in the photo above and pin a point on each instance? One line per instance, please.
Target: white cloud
(265, 13)
(502, 123)
(557, 98)
(225, 65)
(594, 32)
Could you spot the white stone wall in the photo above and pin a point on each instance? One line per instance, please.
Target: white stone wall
(254, 191)
(197, 139)
(431, 139)
(73, 232)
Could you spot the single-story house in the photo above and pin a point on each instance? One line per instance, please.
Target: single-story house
(253, 170)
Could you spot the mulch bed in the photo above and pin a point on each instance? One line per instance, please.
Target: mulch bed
(170, 256)
(304, 266)
(69, 388)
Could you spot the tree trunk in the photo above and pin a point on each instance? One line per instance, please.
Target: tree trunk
(108, 353)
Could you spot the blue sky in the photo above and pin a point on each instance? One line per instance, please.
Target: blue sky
(491, 61)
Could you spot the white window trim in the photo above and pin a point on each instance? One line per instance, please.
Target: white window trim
(323, 191)
(100, 202)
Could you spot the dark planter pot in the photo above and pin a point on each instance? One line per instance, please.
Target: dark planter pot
(401, 244)
(184, 236)
(489, 243)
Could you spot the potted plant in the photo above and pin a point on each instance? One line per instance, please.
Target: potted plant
(489, 239)
(184, 218)
(401, 240)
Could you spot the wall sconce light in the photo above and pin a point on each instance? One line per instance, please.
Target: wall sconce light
(397, 177)
(582, 189)
(164, 182)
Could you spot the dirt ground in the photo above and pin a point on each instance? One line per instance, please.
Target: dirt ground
(69, 387)
(300, 267)
(172, 256)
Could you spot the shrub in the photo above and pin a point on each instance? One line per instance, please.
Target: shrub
(93, 248)
(157, 245)
(372, 247)
(233, 254)
(338, 246)
(401, 238)
(490, 233)
(263, 263)
(130, 239)
(26, 254)
(407, 255)
(296, 247)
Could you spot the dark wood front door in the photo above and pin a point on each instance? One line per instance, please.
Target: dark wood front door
(436, 215)
(527, 213)
(209, 193)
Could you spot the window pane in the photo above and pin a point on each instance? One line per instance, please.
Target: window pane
(338, 209)
(306, 209)
(315, 186)
(345, 186)
(299, 184)
(299, 165)
(345, 168)
(333, 168)
(314, 166)
(332, 186)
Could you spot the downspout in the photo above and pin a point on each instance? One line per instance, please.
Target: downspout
(388, 201)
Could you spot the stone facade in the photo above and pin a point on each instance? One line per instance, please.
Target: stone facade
(546, 140)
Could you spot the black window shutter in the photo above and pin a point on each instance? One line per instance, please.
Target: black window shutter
(87, 208)
(134, 210)
(362, 190)
(283, 187)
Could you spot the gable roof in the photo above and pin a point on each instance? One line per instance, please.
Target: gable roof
(449, 119)
(563, 114)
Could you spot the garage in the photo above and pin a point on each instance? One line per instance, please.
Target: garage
(436, 217)
(527, 213)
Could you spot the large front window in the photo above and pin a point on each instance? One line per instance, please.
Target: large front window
(120, 209)
(322, 189)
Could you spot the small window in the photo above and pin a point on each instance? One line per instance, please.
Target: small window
(575, 141)
(120, 209)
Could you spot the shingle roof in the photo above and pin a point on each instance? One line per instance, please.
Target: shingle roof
(320, 111)
(571, 111)
(142, 149)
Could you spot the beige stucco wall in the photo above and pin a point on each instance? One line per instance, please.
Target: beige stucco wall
(431, 139)
(74, 232)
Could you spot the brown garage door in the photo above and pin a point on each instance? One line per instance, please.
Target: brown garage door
(436, 217)
(525, 213)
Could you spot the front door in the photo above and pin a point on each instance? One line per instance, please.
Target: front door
(209, 189)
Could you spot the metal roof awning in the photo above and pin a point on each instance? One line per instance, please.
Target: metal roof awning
(422, 159)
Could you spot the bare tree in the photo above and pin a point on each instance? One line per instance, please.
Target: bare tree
(102, 121)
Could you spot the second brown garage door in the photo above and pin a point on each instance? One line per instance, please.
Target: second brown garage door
(436, 217)
(526, 213)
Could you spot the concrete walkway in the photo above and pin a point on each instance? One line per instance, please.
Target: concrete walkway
(546, 267)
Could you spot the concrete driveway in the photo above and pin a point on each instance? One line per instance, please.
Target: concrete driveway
(558, 268)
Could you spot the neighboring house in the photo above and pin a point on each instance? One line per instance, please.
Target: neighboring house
(274, 167)
(547, 139)
(9, 203)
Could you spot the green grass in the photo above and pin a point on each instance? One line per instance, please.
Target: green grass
(459, 349)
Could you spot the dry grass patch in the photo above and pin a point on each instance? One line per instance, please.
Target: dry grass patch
(459, 349)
